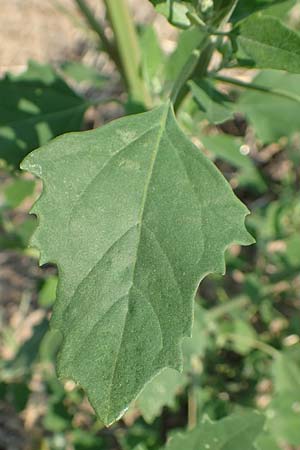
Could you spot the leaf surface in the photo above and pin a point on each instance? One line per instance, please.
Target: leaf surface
(226, 434)
(270, 44)
(162, 390)
(247, 8)
(273, 116)
(134, 216)
(215, 106)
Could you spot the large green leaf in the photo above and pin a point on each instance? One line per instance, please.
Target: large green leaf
(235, 432)
(35, 106)
(273, 115)
(269, 43)
(134, 216)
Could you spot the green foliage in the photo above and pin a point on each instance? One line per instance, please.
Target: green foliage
(17, 190)
(134, 216)
(36, 106)
(269, 44)
(82, 73)
(245, 8)
(216, 107)
(161, 391)
(232, 150)
(138, 154)
(223, 435)
(273, 116)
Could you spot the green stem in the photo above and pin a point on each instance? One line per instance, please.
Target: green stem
(192, 408)
(196, 66)
(199, 69)
(96, 27)
(129, 50)
(255, 87)
(184, 76)
(103, 101)
(220, 310)
(259, 345)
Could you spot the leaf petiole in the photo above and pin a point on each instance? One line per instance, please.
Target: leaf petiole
(255, 87)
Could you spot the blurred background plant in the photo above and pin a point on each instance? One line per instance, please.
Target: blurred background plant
(245, 349)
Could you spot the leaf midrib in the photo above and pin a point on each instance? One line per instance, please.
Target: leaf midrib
(140, 222)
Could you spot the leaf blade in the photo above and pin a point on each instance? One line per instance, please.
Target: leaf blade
(121, 280)
(269, 43)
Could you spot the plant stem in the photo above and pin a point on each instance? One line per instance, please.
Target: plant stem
(192, 408)
(184, 76)
(255, 87)
(103, 101)
(259, 345)
(197, 64)
(129, 50)
(96, 27)
(220, 310)
(207, 46)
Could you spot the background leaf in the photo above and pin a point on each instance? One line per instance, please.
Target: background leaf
(270, 44)
(225, 434)
(215, 106)
(271, 115)
(35, 107)
(246, 8)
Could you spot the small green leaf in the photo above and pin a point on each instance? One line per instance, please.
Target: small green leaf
(283, 417)
(27, 353)
(160, 392)
(271, 115)
(222, 10)
(280, 9)
(17, 191)
(247, 8)
(134, 216)
(226, 434)
(35, 106)
(269, 43)
(283, 413)
(215, 105)
(231, 149)
(286, 374)
(175, 11)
